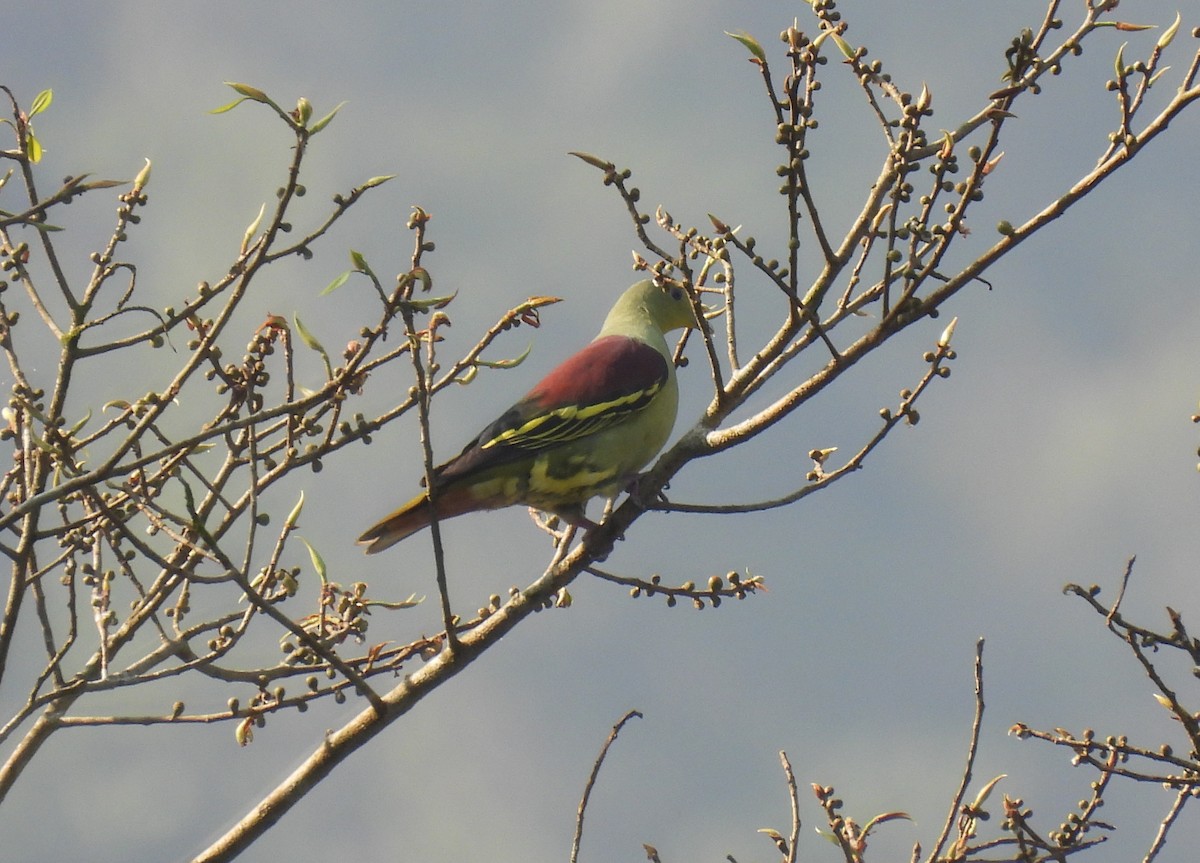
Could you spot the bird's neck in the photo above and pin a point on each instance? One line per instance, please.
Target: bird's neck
(633, 322)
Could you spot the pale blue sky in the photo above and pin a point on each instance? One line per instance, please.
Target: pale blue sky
(1060, 445)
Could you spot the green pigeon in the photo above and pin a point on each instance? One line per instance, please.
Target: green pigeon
(584, 431)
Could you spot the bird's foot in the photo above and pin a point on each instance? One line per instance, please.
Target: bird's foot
(562, 524)
(641, 500)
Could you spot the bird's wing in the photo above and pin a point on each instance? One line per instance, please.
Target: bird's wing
(607, 381)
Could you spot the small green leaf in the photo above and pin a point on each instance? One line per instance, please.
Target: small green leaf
(821, 37)
(336, 283)
(33, 147)
(73, 430)
(324, 121)
(426, 280)
(228, 107)
(103, 184)
(843, 46)
(143, 177)
(594, 161)
(311, 341)
(1154, 78)
(1169, 34)
(883, 819)
(377, 181)
(253, 228)
(412, 601)
(430, 303)
(41, 102)
(318, 562)
(41, 444)
(290, 521)
(986, 792)
(750, 43)
(307, 337)
(252, 93)
(511, 363)
(360, 263)
(1119, 63)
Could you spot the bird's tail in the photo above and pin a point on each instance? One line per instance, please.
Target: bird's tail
(413, 516)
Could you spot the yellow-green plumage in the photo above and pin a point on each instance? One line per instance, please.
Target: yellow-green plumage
(585, 430)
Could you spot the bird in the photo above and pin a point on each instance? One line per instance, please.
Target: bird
(584, 430)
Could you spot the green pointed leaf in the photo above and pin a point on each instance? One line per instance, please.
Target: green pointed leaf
(228, 107)
(1169, 34)
(73, 430)
(986, 792)
(430, 303)
(511, 363)
(1119, 63)
(820, 37)
(1154, 78)
(311, 341)
(253, 228)
(336, 283)
(306, 336)
(41, 102)
(252, 93)
(426, 280)
(883, 819)
(377, 181)
(412, 601)
(318, 562)
(750, 43)
(33, 146)
(143, 177)
(843, 46)
(594, 161)
(290, 521)
(360, 263)
(324, 121)
(41, 444)
(103, 184)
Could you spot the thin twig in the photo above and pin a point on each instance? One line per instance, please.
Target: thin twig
(1160, 838)
(1108, 620)
(591, 781)
(972, 750)
(794, 797)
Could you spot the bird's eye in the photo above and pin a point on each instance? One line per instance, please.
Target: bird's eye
(677, 293)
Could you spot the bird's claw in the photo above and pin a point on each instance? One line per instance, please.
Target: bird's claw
(635, 494)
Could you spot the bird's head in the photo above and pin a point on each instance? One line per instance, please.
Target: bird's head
(668, 307)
